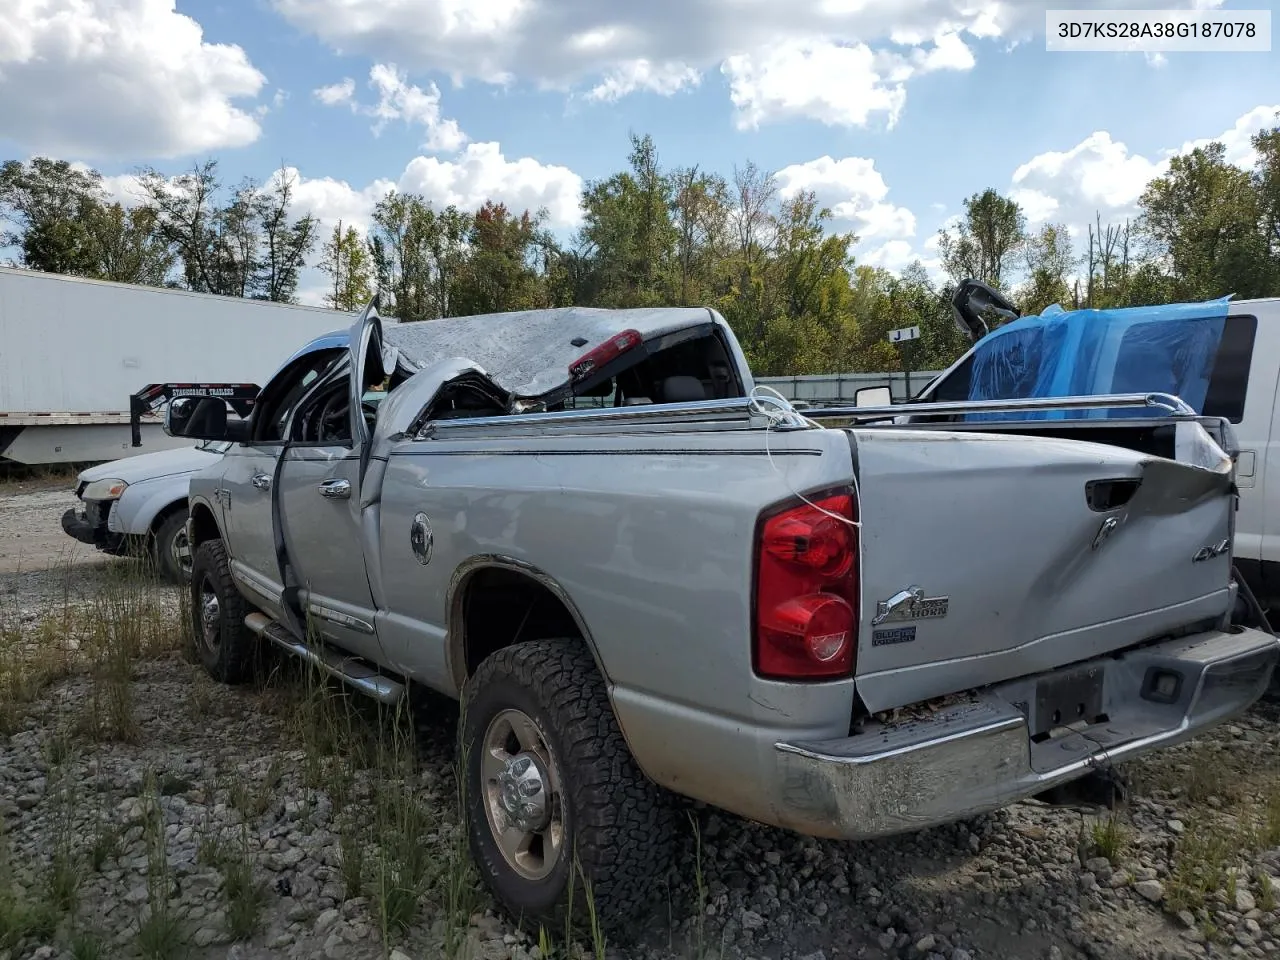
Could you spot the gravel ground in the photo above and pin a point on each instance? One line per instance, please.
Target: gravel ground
(1188, 867)
(31, 534)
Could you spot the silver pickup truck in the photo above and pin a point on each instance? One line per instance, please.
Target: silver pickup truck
(645, 578)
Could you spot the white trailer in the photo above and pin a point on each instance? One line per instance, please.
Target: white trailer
(73, 351)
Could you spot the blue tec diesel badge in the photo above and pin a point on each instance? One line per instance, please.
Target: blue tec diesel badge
(884, 638)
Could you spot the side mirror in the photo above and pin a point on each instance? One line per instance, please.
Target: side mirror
(202, 418)
(872, 397)
(971, 300)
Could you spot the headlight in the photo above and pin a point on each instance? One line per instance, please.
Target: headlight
(104, 490)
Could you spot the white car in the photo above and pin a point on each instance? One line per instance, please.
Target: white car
(137, 506)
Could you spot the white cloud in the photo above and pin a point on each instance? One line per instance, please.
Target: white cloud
(1038, 206)
(893, 255)
(337, 94)
(949, 52)
(838, 61)
(335, 201)
(661, 78)
(398, 100)
(854, 190)
(1101, 176)
(1098, 173)
(858, 195)
(835, 84)
(1237, 140)
(120, 79)
(481, 172)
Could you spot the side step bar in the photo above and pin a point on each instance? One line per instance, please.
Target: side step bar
(352, 671)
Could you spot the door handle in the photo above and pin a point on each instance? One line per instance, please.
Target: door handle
(337, 489)
(262, 481)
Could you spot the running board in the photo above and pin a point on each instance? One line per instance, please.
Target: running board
(351, 670)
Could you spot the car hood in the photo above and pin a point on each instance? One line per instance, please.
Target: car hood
(149, 466)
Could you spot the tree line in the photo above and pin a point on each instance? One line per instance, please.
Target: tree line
(776, 267)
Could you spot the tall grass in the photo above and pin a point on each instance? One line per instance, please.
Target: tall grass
(403, 846)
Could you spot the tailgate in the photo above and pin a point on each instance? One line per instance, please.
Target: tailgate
(988, 557)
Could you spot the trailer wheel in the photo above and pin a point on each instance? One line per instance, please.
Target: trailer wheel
(171, 550)
(224, 645)
(553, 799)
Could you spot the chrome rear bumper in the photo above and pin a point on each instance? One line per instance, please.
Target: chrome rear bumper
(981, 756)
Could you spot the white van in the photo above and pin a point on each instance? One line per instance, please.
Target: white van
(1239, 384)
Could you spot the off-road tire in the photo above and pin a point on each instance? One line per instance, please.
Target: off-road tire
(621, 824)
(233, 658)
(171, 527)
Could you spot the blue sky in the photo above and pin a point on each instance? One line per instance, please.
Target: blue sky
(892, 110)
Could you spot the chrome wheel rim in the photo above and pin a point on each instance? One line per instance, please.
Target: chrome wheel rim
(180, 551)
(210, 616)
(520, 782)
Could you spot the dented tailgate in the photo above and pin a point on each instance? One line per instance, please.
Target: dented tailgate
(988, 557)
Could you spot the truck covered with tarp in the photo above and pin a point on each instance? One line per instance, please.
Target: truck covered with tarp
(1169, 349)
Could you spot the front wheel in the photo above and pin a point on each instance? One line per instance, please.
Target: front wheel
(553, 796)
(224, 645)
(171, 550)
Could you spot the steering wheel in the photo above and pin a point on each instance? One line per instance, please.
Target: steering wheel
(370, 411)
(333, 419)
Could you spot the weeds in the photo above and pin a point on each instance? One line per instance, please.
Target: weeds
(254, 801)
(211, 849)
(63, 877)
(19, 918)
(87, 946)
(30, 660)
(1271, 816)
(105, 846)
(351, 845)
(126, 624)
(403, 871)
(1110, 838)
(1200, 862)
(161, 933)
(1266, 891)
(244, 896)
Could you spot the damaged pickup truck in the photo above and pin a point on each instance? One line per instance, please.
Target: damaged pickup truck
(645, 578)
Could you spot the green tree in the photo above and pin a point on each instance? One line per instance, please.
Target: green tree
(984, 245)
(286, 240)
(1202, 220)
(249, 244)
(627, 234)
(48, 205)
(345, 258)
(1266, 185)
(417, 254)
(126, 247)
(809, 320)
(1049, 263)
(501, 271)
(700, 216)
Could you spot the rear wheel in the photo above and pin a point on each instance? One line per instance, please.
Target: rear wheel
(171, 550)
(553, 796)
(224, 645)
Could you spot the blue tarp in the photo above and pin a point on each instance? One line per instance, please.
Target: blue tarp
(1164, 349)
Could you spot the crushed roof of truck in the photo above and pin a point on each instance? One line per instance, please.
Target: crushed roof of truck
(528, 352)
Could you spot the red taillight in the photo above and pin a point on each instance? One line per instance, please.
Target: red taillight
(806, 616)
(612, 348)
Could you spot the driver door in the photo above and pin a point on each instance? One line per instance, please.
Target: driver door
(319, 502)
